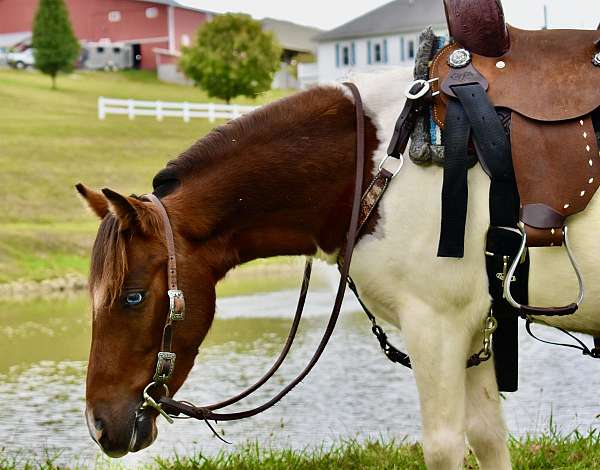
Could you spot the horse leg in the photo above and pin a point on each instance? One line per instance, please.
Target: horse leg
(486, 430)
(438, 345)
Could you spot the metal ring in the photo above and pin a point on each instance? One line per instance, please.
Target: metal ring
(150, 402)
(397, 170)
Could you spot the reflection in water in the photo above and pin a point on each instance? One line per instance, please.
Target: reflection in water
(353, 392)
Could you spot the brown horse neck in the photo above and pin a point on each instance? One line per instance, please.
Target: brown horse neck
(276, 182)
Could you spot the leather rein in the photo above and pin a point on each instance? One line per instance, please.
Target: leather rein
(362, 207)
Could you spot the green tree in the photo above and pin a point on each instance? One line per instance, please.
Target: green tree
(55, 46)
(232, 56)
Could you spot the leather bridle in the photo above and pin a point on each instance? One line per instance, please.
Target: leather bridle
(362, 207)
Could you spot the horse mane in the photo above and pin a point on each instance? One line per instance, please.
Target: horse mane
(109, 260)
(278, 119)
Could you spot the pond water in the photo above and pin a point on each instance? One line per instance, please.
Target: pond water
(354, 392)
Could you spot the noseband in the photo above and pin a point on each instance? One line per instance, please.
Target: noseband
(362, 207)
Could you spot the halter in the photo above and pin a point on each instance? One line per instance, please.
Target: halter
(362, 207)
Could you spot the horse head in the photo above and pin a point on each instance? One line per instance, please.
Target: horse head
(278, 181)
(128, 291)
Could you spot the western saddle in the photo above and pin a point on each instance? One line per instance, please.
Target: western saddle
(527, 103)
(546, 87)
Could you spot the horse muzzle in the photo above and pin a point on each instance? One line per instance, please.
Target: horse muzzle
(115, 440)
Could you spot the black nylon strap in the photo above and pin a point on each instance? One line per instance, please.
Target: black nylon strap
(454, 189)
(493, 148)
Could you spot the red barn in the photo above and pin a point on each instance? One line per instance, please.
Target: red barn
(164, 25)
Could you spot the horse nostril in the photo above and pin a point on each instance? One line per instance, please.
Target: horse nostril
(99, 426)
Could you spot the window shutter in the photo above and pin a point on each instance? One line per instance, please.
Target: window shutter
(353, 54)
(369, 52)
(402, 56)
(337, 54)
(385, 54)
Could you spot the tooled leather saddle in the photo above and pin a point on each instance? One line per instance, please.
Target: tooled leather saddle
(527, 103)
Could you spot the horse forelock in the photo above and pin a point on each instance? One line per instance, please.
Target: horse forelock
(109, 263)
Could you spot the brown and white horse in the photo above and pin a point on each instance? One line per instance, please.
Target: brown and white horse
(279, 182)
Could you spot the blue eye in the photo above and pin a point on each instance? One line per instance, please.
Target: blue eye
(134, 298)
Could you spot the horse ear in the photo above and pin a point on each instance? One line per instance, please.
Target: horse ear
(95, 200)
(131, 212)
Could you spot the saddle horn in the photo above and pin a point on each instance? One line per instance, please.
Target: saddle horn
(478, 25)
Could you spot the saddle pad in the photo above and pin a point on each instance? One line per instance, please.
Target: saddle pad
(548, 75)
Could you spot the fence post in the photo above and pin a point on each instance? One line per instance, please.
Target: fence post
(130, 109)
(186, 112)
(159, 114)
(235, 110)
(211, 112)
(101, 112)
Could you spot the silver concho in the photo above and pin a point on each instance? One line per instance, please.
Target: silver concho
(459, 58)
(596, 60)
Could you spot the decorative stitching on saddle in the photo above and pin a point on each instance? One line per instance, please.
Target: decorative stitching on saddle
(434, 66)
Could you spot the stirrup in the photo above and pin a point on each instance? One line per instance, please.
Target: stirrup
(550, 311)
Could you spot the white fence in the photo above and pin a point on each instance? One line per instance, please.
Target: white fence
(162, 109)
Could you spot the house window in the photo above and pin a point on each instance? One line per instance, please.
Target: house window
(116, 50)
(114, 16)
(345, 54)
(151, 12)
(377, 52)
(411, 49)
(185, 40)
(100, 50)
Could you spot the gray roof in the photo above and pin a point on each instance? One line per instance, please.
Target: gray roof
(12, 39)
(394, 17)
(292, 36)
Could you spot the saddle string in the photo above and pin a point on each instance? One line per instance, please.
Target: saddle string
(594, 352)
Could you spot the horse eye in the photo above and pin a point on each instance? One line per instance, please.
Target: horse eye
(134, 298)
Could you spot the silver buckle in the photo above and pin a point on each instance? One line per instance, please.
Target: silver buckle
(175, 294)
(426, 87)
(509, 276)
(164, 357)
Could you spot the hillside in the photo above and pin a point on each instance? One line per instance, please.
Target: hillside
(50, 140)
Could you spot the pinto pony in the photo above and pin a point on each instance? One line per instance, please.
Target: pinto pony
(279, 181)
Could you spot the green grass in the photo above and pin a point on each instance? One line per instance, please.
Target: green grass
(50, 140)
(550, 451)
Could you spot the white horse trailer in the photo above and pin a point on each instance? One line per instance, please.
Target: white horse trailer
(107, 56)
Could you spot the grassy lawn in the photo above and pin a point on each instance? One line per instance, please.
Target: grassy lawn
(50, 140)
(551, 451)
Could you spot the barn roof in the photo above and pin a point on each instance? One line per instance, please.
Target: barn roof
(394, 17)
(175, 3)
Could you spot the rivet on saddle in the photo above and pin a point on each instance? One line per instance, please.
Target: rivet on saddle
(529, 101)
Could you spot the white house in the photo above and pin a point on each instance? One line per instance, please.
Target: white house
(382, 38)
